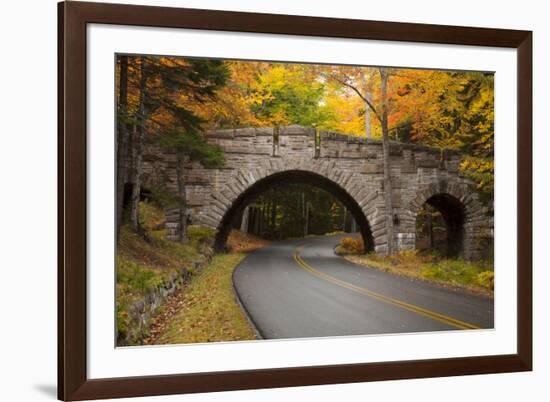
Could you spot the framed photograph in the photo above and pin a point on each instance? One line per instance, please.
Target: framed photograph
(252, 201)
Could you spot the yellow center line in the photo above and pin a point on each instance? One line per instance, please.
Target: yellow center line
(398, 303)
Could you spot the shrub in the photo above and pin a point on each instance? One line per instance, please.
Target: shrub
(486, 279)
(351, 246)
(459, 272)
(433, 272)
(200, 234)
(150, 216)
(408, 254)
(137, 277)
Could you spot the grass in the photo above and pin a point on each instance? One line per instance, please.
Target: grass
(209, 311)
(477, 276)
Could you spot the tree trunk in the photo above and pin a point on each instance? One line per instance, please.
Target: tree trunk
(306, 226)
(137, 150)
(121, 141)
(367, 95)
(367, 121)
(257, 218)
(261, 220)
(303, 206)
(387, 172)
(345, 217)
(244, 221)
(273, 214)
(182, 198)
(429, 224)
(251, 220)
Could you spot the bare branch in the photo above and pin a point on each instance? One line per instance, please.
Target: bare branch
(353, 88)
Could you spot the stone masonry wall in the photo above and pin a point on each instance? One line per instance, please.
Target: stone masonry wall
(353, 163)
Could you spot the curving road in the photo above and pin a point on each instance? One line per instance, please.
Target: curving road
(300, 288)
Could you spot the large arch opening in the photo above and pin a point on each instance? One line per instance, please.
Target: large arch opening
(440, 225)
(235, 211)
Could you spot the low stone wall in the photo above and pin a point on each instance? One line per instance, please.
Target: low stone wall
(143, 311)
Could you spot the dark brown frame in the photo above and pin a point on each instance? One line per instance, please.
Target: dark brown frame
(73, 383)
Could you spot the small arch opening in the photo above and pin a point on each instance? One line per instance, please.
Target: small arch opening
(440, 225)
(263, 221)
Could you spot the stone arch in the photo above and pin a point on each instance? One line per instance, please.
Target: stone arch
(463, 213)
(245, 184)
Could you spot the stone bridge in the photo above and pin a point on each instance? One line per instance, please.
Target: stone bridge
(349, 167)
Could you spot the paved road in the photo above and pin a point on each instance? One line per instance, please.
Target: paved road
(300, 288)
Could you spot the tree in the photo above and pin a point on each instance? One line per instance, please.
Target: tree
(122, 137)
(365, 78)
(295, 210)
(347, 77)
(354, 81)
(455, 110)
(160, 90)
(289, 94)
(137, 145)
(384, 76)
(232, 106)
(185, 82)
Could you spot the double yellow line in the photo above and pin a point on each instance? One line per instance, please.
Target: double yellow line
(453, 322)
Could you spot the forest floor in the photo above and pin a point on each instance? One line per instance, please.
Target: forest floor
(472, 276)
(239, 242)
(206, 310)
(202, 308)
(147, 263)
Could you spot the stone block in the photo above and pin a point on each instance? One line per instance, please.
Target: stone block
(220, 133)
(264, 131)
(396, 150)
(408, 167)
(245, 132)
(295, 130)
(372, 168)
(427, 163)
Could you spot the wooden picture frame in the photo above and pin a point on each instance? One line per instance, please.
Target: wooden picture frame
(73, 382)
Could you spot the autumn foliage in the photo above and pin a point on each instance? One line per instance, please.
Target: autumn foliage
(171, 101)
(351, 245)
(443, 109)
